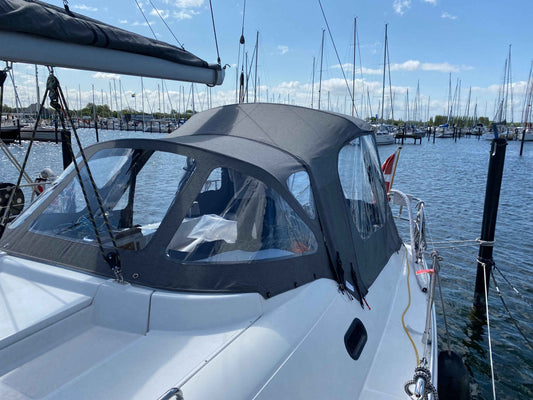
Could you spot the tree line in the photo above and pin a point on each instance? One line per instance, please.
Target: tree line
(102, 111)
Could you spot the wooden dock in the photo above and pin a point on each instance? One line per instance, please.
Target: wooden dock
(401, 137)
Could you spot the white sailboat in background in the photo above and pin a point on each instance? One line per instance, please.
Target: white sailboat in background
(499, 126)
(383, 132)
(526, 133)
(445, 130)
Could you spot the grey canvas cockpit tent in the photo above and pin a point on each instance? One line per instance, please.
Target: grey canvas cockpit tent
(40, 33)
(269, 142)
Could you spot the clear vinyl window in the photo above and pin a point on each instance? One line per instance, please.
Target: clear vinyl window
(238, 218)
(136, 188)
(362, 184)
(300, 187)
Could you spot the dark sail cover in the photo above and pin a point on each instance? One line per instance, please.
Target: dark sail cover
(42, 19)
(28, 28)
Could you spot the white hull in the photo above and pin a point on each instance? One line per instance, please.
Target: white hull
(383, 139)
(120, 341)
(444, 133)
(527, 138)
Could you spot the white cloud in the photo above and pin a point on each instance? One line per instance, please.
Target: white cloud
(400, 6)
(83, 7)
(412, 65)
(434, 2)
(189, 3)
(409, 65)
(447, 15)
(184, 14)
(105, 75)
(283, 49)
(163, 13)
(123, 21)
(415, 65)
(137, 23)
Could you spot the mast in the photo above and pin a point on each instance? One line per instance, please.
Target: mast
(353, 70)
(142, 99)
(18, 103)
(192, 94)
(510, 84)
(163, 89)
(449, 96)
(429, 98)
(121, 94)
(247, 77)
(321, 60)
(256, 57)
(384, 66)
(390, 84)
(116, 98)
(313, 84)
(79, 100)
(37, 85)
(110, 99)
(467, 109)
(369, 103)
(524, 106)
(407, 105)
(95, 119)
(158, 98)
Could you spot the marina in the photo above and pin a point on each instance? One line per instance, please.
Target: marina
(452, 177)
(255, 246)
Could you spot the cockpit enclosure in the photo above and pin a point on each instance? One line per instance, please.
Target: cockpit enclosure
(242, 198)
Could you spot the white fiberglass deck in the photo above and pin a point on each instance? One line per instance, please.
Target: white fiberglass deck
(67, 335)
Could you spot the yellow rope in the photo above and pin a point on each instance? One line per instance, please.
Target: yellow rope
(407, 308)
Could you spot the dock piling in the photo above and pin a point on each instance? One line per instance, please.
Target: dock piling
(488, 225)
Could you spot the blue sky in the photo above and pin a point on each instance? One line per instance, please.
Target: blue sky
(428, 40)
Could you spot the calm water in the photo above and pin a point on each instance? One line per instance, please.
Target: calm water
(450, 177)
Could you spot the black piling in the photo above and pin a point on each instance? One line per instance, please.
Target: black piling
(65, 147)
(488, 225)
(522, 141)
(18, 130)
(56, 131)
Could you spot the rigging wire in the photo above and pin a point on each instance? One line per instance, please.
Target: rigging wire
(242, 31)
(515, 323)
(514, 289)
(488, 331)
(214, 31)
(443, 312)
(239, 82)
(390, 85)
(338, 58)
(168, 27)
(146, 19)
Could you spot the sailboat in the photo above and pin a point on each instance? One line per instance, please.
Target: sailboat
(445, 130)
(224, 260)
(383, 131)
(504, 107)
(526, 134)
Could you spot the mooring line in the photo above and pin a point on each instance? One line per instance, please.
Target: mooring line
(514, 289)
(515, 323)
(488, 332)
